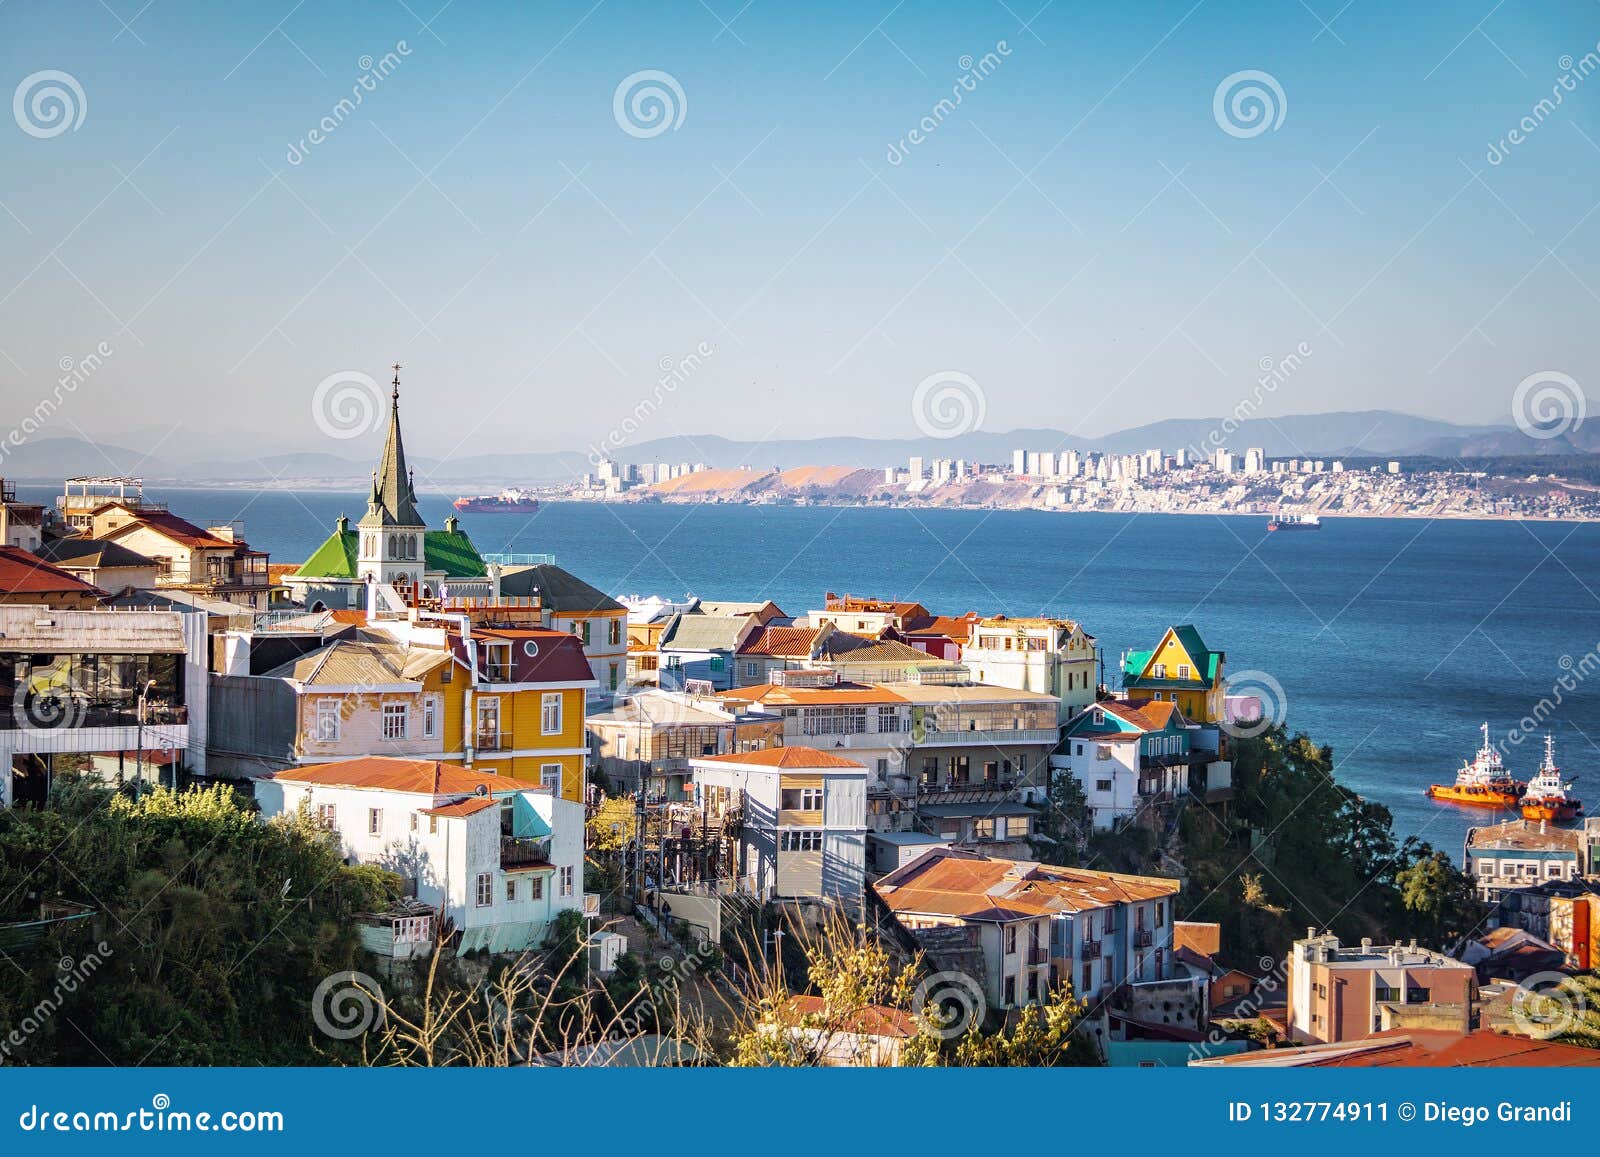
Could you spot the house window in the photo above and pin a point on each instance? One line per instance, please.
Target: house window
(1011, 942)
(396, 720)
(550, 713)
(511, 888)
(327, 720)
(1010, 995)
(613, 677)
(550, 776)
(485, 889)
(536, 888)
(1183, 670)
(433, 825)
(448, 673)
(807, 799)
(800, 841)
(1087, 983)
(1159, 671)
(430, 717)
(583, 632)
(752, 670)
(374, 821)
(614, 632)
(566, 881)
(326, 813)
(1102, 785)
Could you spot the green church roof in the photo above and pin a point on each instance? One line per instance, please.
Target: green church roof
(448, 551)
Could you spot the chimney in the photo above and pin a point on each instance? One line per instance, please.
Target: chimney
(1366, 944)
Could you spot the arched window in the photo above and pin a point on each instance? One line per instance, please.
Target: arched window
(392, 551)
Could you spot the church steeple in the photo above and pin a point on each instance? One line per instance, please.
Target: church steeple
(394, 500)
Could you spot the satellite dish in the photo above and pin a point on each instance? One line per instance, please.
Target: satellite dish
(480, 790)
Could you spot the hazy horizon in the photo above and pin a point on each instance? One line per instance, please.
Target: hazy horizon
(811, 229)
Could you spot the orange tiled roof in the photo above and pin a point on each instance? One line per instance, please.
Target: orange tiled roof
(792, 758)
(975, 887)
(462, 807)
(873, 1020)
(414, 776)
(1442, 1049)
(23, 573)
(783, 642)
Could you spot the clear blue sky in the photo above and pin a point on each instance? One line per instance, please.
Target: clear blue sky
(1079, 236)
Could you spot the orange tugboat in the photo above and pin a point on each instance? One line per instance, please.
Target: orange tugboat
(1547, 797)
(1482, 783)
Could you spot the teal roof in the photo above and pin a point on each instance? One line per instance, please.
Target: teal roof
(448, 551)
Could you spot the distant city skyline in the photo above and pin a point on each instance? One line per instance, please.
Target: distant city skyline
(799, 220)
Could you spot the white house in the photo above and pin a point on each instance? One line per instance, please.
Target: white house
(498, 858)
(804, 819)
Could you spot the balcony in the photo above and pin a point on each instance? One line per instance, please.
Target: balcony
(518, 852)
(1143, 938)
(932, 737)
(70, 710)
(495, 741)
(1090, 950)
(1039, 955)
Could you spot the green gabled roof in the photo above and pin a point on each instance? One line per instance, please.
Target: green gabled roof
(442, 550)
(335, 558)
(453, 553)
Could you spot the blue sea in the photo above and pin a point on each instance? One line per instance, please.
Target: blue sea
(1392, 639)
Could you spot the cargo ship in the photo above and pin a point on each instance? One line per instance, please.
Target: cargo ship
(1484, 782)
(1295, 522)
(1547, 796)
(511, 501)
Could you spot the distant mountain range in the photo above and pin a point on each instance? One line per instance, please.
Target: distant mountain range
(1365, 433)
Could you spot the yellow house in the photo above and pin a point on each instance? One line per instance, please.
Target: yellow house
(1180, 669)
(526, 715)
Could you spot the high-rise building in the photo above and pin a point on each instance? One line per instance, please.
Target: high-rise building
(1255, 460)
(1019, 462)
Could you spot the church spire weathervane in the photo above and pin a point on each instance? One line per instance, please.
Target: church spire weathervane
(396, 394)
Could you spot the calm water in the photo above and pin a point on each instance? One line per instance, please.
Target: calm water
(1392, 639)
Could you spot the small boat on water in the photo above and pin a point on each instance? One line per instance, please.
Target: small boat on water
(1483, 782)
(1295, 522)
(1547, 797)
